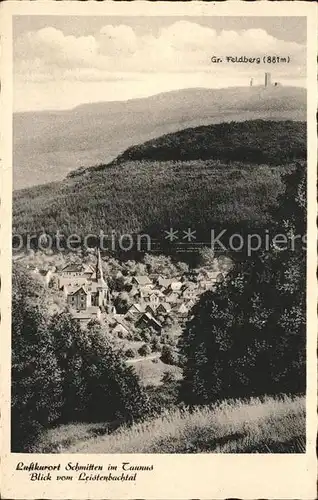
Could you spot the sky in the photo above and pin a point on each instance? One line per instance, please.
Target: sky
(60, 62)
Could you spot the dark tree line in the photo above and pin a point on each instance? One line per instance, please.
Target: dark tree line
(249, 336)
(61, 372)
(255, 141)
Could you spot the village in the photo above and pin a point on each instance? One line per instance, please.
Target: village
(123, 304)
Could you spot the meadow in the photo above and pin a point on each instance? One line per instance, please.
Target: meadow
(257, 425)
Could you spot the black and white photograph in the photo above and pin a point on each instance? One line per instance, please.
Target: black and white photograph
(159, 222)
(159, 239)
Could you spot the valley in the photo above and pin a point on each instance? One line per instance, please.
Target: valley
(152, 333)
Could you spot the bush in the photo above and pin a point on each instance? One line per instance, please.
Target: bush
(169, 355)
(145, 335)
(136, 337)
(168, 378)
(130, 353)
(169, 339)
(130, 336)
(155, 344)
(144, 350)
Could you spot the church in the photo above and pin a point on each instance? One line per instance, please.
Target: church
(85, 287)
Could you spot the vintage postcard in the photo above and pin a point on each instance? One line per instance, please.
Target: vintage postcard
(158, 255)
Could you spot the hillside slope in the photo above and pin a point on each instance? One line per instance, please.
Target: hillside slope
(270, 425)
(48, 145)
(150, 195)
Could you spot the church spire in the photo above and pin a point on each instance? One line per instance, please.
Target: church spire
(99, 267)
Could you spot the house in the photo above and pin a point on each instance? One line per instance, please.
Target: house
(199, 276)
(135, 311)
(190, 304)
(127, 280)
(181, 309)
(71, 281)
(214, 276)
(154, 297)
(172, 297)
(88, 272)
(142, 294)
(206, 284)
(175, 285)
(73, 270)
(211, 280)
(189, 285)
(47, 276)
(148, 321)
(89, 314)
(189, 293)
(151, 308)
(79, 298)
(142, 282)
(33, 269)
(85, 287)
(163, 308)
(111, 311)
(121, 328)
(147, 295)
(163, 283)
(134, 291)
(155, 277)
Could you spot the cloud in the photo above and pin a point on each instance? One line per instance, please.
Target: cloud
(182, 47)
(117, 41)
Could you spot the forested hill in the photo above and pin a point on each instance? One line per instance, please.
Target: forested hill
(227, 190)
(256, 141)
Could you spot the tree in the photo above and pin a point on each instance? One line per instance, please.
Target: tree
(169, 355)
(122, 302)
(69, 339)
(248, 336)
(97, 383)
(146, 334)
(207, 257)
(118, 284)
(155, 344)
(130, 353)
(36, 379)
(62, 372)
(160, 264)
(144, 350)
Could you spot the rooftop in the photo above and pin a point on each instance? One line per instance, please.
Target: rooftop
(142, 280)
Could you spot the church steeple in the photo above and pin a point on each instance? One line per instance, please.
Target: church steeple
(102, 290)
(99, 267)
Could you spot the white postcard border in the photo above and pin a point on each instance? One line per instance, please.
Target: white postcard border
(279, 476)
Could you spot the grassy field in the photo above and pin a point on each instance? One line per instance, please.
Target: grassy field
(151, 371)
(267, 425)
